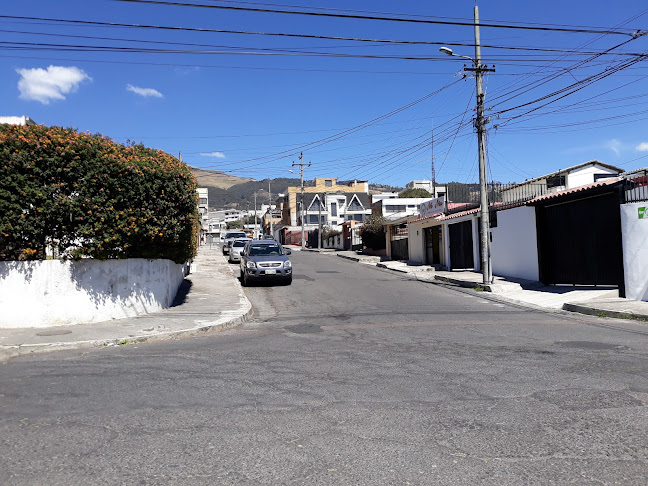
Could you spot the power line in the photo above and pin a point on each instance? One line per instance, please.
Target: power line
(277, 34)
(375, 17)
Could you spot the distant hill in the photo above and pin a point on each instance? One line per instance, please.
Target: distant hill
(215, 178)
(227, 191)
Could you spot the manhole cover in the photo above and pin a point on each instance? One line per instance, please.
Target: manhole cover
(54, 332)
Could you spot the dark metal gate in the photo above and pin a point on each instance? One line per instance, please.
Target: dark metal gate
(461, 245)
(399, 243)
(433, 245)
(579, 241)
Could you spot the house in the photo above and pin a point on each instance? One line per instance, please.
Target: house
(325, 202)
(16, 120)
(569, 178)
(382, 195)
(575, 233)
(393, 209)
(436, 190)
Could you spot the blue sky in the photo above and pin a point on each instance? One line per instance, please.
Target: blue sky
(248, 104)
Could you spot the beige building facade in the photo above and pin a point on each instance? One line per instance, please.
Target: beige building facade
(323, 185)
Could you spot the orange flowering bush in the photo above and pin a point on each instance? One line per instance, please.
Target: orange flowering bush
(85, 195)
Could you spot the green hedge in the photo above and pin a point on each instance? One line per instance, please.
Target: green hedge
(84, 195)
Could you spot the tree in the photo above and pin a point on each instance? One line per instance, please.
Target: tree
(83, 195)
(416, 192)
(372, 232)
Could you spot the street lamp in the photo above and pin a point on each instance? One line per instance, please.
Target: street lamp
(480, 125)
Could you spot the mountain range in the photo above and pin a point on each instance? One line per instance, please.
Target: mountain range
(228, 191)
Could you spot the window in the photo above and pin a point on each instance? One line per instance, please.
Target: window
(355, 205)
(202, 201)
(399, 208)
(312, 218)
(440, 194)
(411, 206)
(600, 176)
(328, 183)
(333, 209)
(260, 249)
(358, 217)
(314, 203)
(555, 181)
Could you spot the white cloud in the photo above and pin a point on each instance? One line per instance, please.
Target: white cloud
(49, 84)
(642, 147)
(146, 92)
(218, 155)
(615, 146)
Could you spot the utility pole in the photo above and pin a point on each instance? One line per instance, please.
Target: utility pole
(480, 126)
(270, 201)
(319, 223)
(301, 175)
(433, 170)
(255, 212)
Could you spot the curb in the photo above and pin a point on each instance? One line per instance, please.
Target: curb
(393, 269)
(463, 283)
(366, 260)
(8, 352)
(11, 351)
(598, 312)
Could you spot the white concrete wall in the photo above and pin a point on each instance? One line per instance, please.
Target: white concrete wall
(55, 293)
(514, 250)
(417, 242)
(634, 232)
(585, 175)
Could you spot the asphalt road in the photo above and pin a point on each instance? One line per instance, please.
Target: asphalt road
(351, 375)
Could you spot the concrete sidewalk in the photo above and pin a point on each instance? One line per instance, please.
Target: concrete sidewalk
(210, 298)
(596, 301)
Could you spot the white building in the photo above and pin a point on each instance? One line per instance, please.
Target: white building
(16, 120)
(436, 189)
(383, 195)
(563, 179)
(398, 208)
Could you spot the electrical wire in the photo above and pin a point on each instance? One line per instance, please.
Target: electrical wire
(374, 17)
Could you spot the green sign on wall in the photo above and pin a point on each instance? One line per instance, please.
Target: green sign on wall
(643, 214)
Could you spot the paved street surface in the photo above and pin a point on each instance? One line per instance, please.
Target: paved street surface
(351, 375)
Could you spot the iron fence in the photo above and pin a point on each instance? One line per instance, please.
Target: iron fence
(635, 186)
(461, 197)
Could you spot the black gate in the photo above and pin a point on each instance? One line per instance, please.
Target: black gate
(433, 245)
(400, 249)
(399, 237)
(461, 245)
(579, 241)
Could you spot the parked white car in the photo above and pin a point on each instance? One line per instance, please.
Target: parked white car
(235, 249)
(229, 236)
